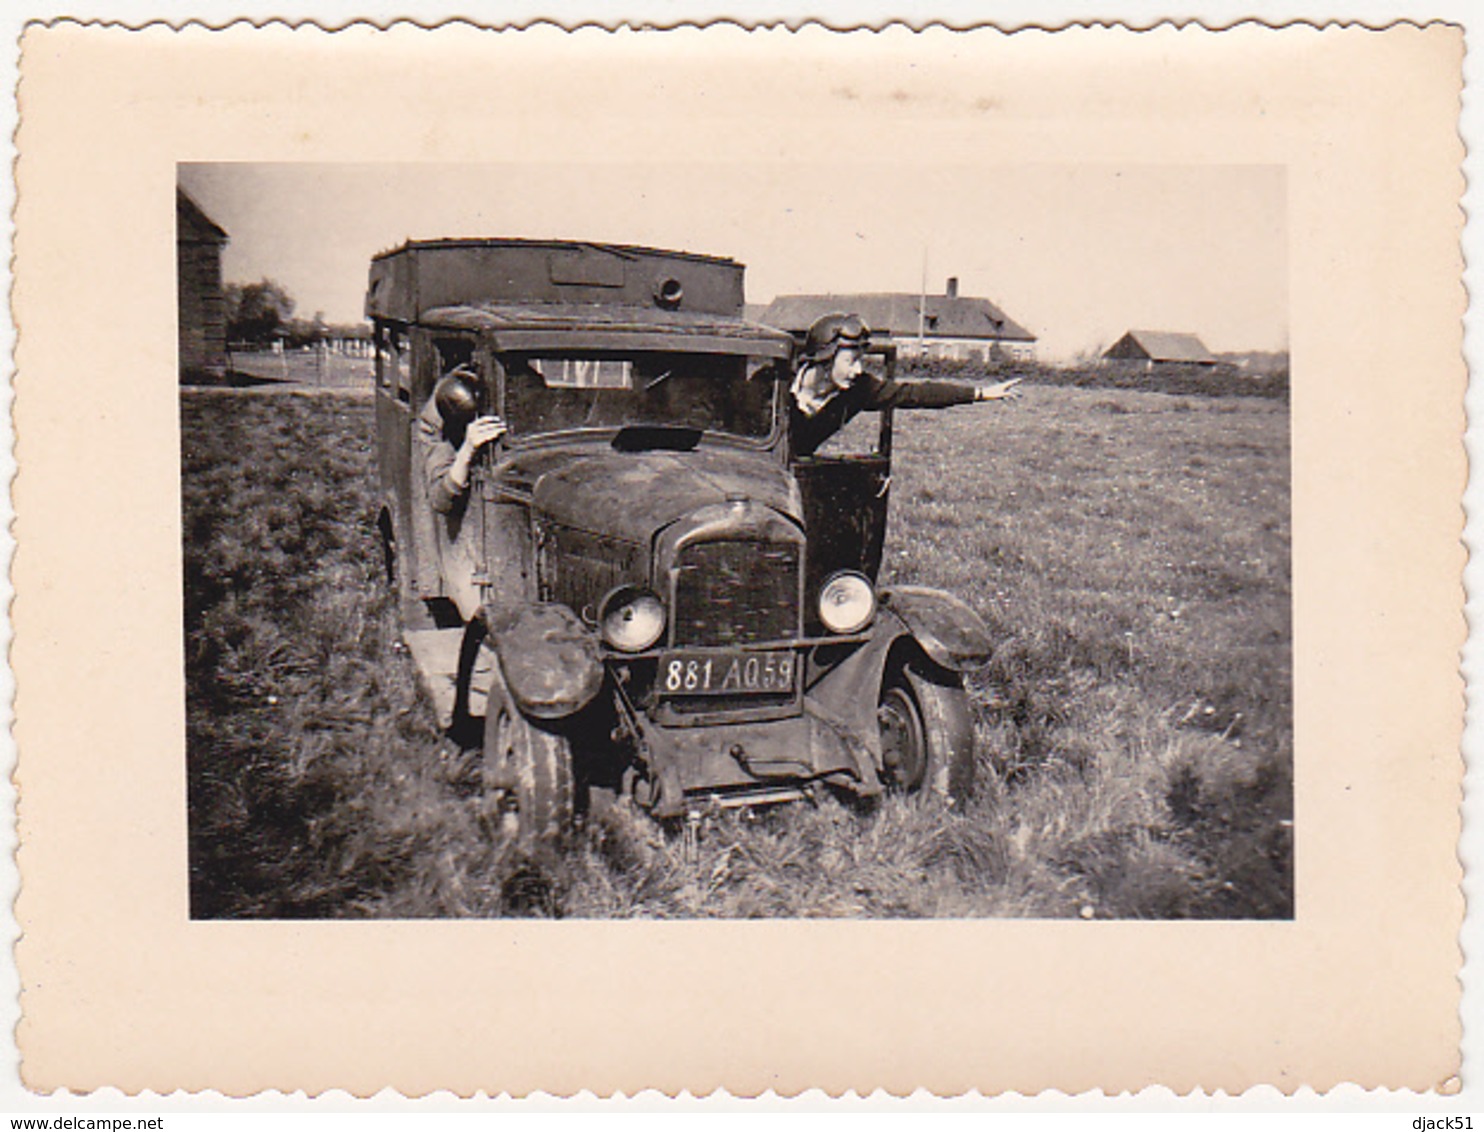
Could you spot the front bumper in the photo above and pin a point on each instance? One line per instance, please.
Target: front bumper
(696, 766)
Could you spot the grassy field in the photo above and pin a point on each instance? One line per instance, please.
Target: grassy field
(1130, 550)
(1222, 380)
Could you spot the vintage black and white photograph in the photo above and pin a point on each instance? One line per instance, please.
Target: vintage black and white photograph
(581, 562)
(685, 540)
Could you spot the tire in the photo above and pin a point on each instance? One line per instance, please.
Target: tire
(531, 767)
(927, 732)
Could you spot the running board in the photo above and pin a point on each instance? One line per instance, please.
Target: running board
(435, 653)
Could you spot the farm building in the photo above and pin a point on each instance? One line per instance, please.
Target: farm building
(200, 305)
(1160, 348)
(940, 326)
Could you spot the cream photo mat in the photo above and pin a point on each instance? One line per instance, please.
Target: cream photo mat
(120, 988)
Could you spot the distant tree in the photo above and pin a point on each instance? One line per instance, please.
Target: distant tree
(257, 311)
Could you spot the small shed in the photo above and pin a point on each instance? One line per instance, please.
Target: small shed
(201, 306)
(1160, 348)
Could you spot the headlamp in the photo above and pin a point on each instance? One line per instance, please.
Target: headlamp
(631, 619)
(846, 602)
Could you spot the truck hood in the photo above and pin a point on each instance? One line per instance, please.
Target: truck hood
(634, 495)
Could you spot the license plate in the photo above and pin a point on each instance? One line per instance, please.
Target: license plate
(726, 673)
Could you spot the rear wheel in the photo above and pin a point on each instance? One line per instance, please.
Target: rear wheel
(528, 767)
(927, 731)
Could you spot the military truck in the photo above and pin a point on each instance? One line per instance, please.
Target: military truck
(672, 607)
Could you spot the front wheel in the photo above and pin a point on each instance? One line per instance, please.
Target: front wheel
(927, 731)
(529, 767)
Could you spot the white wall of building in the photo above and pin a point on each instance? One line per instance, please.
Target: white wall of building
(963, 349)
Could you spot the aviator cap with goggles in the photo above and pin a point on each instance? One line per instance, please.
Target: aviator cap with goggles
(834, 332)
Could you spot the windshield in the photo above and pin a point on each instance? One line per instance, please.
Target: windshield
(714, 392)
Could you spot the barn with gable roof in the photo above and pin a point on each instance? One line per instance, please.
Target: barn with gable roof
(1160, 348)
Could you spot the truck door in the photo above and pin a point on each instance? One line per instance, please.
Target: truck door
(846, 488)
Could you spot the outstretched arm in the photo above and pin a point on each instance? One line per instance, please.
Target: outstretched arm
(1002, 391)
(933, 394)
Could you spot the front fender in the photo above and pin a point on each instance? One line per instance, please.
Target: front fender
(549, 658)
(948, 630)
(845, 696)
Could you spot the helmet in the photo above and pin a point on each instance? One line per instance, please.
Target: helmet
(832, 331)
(456, 399)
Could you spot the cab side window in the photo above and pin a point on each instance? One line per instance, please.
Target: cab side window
(860, 437)
(448, 354)
(378, 341)
(391, 361)
(453, 352)
(863, 435)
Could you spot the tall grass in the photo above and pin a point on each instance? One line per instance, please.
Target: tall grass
(1129, 551)
(1220, 380)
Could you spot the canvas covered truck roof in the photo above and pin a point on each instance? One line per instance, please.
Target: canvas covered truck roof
(566, 326)
(425, 275)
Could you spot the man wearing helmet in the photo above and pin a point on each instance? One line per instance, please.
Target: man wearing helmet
(450, 431)
(832, 385)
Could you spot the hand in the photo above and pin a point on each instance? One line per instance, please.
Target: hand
(1004, 391)
(480, 432)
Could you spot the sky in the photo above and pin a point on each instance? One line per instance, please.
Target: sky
(1078, 254)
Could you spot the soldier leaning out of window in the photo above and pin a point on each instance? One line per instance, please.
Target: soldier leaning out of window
(452, 432)
(832, 385)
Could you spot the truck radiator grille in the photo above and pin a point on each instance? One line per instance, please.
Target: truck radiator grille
(737, 592)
